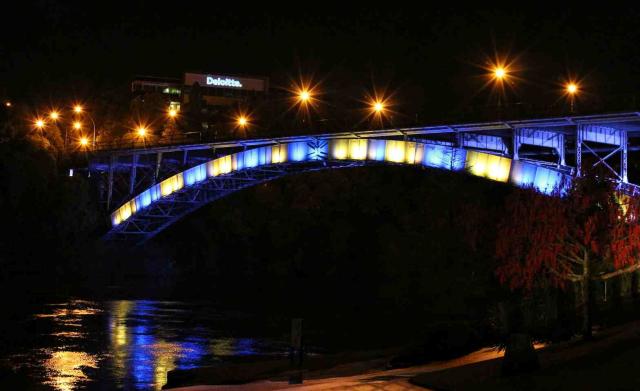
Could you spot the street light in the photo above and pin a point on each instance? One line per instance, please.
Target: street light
(77, 125)
(304, 96)
(7, 104)
(172, 113)
(84, 141)
(77, 109)
(242, 121)
(54, 115)
(39, 123)
(378, 107)
(572, 89)
(499, 73)
(142, 131)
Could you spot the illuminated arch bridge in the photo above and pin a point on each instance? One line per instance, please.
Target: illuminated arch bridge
(162, 204)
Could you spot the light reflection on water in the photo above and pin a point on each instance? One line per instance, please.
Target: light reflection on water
(127, 344)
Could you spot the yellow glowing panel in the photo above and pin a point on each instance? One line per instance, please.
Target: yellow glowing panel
(476, 163)
(395, 151)
(179, 182)
(339, 148)
(358, 149)
(125, 211)
(132, 205)
(224, 164)
(165, 187)
(171, 184)
(279, 153)
(214, 167)
(488, 166)
(499, 168)
(410, 152)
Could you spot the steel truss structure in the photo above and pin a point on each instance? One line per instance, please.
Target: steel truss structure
(569, 144)
(154, 219)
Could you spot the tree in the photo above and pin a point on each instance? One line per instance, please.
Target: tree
(590, 233)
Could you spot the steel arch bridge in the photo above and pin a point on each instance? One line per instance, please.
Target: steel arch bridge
(523, 153)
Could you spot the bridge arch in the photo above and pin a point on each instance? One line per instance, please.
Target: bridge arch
(166, 202)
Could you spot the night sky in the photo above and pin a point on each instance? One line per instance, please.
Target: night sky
(52, 50)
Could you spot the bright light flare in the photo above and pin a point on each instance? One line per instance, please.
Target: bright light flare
(242, 121)
(54, 115)
(77, 109)
(39, 123)
(77, 125)
(84, 141)
(571, 88)
(142, 131)
(304, 96)
(173, 113)
(378, 107)
(499, 72)
(7, 104)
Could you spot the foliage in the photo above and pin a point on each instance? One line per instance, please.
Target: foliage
(550, 238)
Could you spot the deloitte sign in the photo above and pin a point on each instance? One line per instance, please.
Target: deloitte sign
(226, 82)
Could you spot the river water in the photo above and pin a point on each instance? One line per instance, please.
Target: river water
(127, 344)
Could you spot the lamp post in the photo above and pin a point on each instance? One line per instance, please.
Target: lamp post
(571, 89)
(79, 110)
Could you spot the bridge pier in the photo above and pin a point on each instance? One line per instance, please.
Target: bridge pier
(132, 177)
(158, 163)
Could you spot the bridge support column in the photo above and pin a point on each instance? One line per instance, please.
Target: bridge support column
(185, 157)
(615, 139)
(110, 181)
(132, 177)
(516, 144)
(623, 156)
(579, 150)
(158, 163)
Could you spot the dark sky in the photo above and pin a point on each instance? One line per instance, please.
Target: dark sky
(50, 48)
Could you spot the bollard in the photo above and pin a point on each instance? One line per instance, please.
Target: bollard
(296, 353)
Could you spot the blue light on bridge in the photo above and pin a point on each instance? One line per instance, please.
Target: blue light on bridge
(251, 158)
(487, 165)
(543, 179)
(318, 149)
(434, 156)
(195, 174)
(298, 151)
(377, 150)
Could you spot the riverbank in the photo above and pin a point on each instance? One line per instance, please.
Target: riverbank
(606, 362)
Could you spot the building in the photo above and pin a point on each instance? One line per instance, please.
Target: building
(203, 90)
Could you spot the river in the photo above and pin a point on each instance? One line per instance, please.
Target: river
(126, 344)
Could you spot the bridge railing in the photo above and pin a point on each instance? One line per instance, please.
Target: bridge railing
(155, 141)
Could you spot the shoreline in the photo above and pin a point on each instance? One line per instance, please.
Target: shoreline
(570, 361)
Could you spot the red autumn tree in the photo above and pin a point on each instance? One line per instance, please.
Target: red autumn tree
(590, 233)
